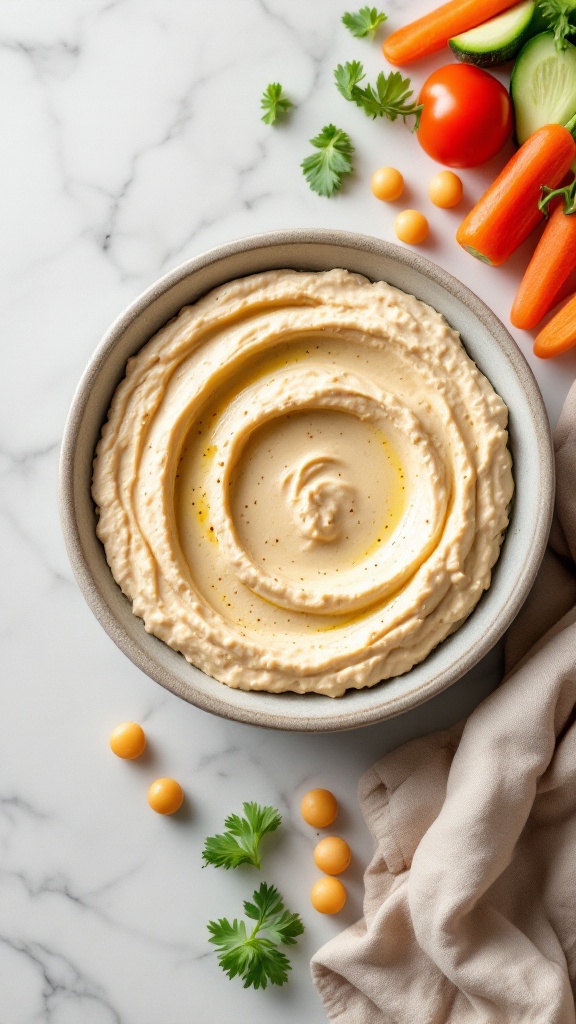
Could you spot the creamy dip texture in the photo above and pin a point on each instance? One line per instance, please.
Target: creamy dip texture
(303, 482)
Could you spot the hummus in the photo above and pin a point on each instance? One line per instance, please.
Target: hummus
(303, 482)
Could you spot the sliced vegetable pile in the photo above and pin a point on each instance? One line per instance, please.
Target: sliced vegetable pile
(496, 39)
(538, 181)
(462, 117)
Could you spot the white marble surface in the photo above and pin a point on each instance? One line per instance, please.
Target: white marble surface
(131, 140)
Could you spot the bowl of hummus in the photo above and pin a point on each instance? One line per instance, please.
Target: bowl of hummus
(306, 480)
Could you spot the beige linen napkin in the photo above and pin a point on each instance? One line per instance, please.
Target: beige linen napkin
(470, 905)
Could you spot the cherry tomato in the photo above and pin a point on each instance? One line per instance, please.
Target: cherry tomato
(165, 796)
(319, 807)
(128, 740)
(467, 116)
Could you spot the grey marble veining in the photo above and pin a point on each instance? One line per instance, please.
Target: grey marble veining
(132, 140)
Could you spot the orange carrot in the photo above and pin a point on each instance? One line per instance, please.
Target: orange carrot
(553, 260)
(508, 211)
(432, 32)
(559, 334)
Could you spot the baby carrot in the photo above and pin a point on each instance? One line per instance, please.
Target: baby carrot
(508, 211)
(432, 31)
(553, 260)
(559, 334)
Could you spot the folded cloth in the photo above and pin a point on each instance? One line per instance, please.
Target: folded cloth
(470, 905)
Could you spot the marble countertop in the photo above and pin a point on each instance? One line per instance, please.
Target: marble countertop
(132, 140)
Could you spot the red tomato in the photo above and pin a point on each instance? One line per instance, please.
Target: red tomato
(467, 116)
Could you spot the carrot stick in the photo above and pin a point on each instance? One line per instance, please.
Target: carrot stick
(559, 334)
(508, 211)
(553, 260)
(432, 32)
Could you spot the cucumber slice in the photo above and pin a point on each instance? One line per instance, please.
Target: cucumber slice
(543, 85)
(498, 40)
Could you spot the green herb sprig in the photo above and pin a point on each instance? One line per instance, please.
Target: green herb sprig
(364, 22)
(325, 169)
(391, 97)
(240, 843)
(274, 103)
(254, 955)
(560, 16)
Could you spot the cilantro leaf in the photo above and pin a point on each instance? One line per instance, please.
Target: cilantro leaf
(240, 843)
(267, 901)
(324, 170)
(274, 103)
(255, 957)
(560, 16)
(286, 929)
(364, 22)
(348, 77)
(282, 926)
(390, 98)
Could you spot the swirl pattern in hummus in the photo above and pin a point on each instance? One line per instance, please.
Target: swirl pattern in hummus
(303, 482)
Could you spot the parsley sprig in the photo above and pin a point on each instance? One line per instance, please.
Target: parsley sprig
(348, 77)
(390, 98)
(364, 22)
(325, 169)
(561, 18)
(274, 103)
(241, 841)
(253, 956)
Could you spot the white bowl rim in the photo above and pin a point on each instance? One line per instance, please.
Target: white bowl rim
(289, 717)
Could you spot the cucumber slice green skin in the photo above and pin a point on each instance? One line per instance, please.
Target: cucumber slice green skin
(498, 40)
(543, 85)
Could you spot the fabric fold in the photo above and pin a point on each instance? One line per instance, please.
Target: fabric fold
(470, 898)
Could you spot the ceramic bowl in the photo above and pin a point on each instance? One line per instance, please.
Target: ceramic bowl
(486, 341)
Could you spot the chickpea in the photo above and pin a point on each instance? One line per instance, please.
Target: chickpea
(411, 227)
(165, 796)
(332, 855)
(387, 184)
(128, 740)
(319, 808)
(328, 895)
(445, 189)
